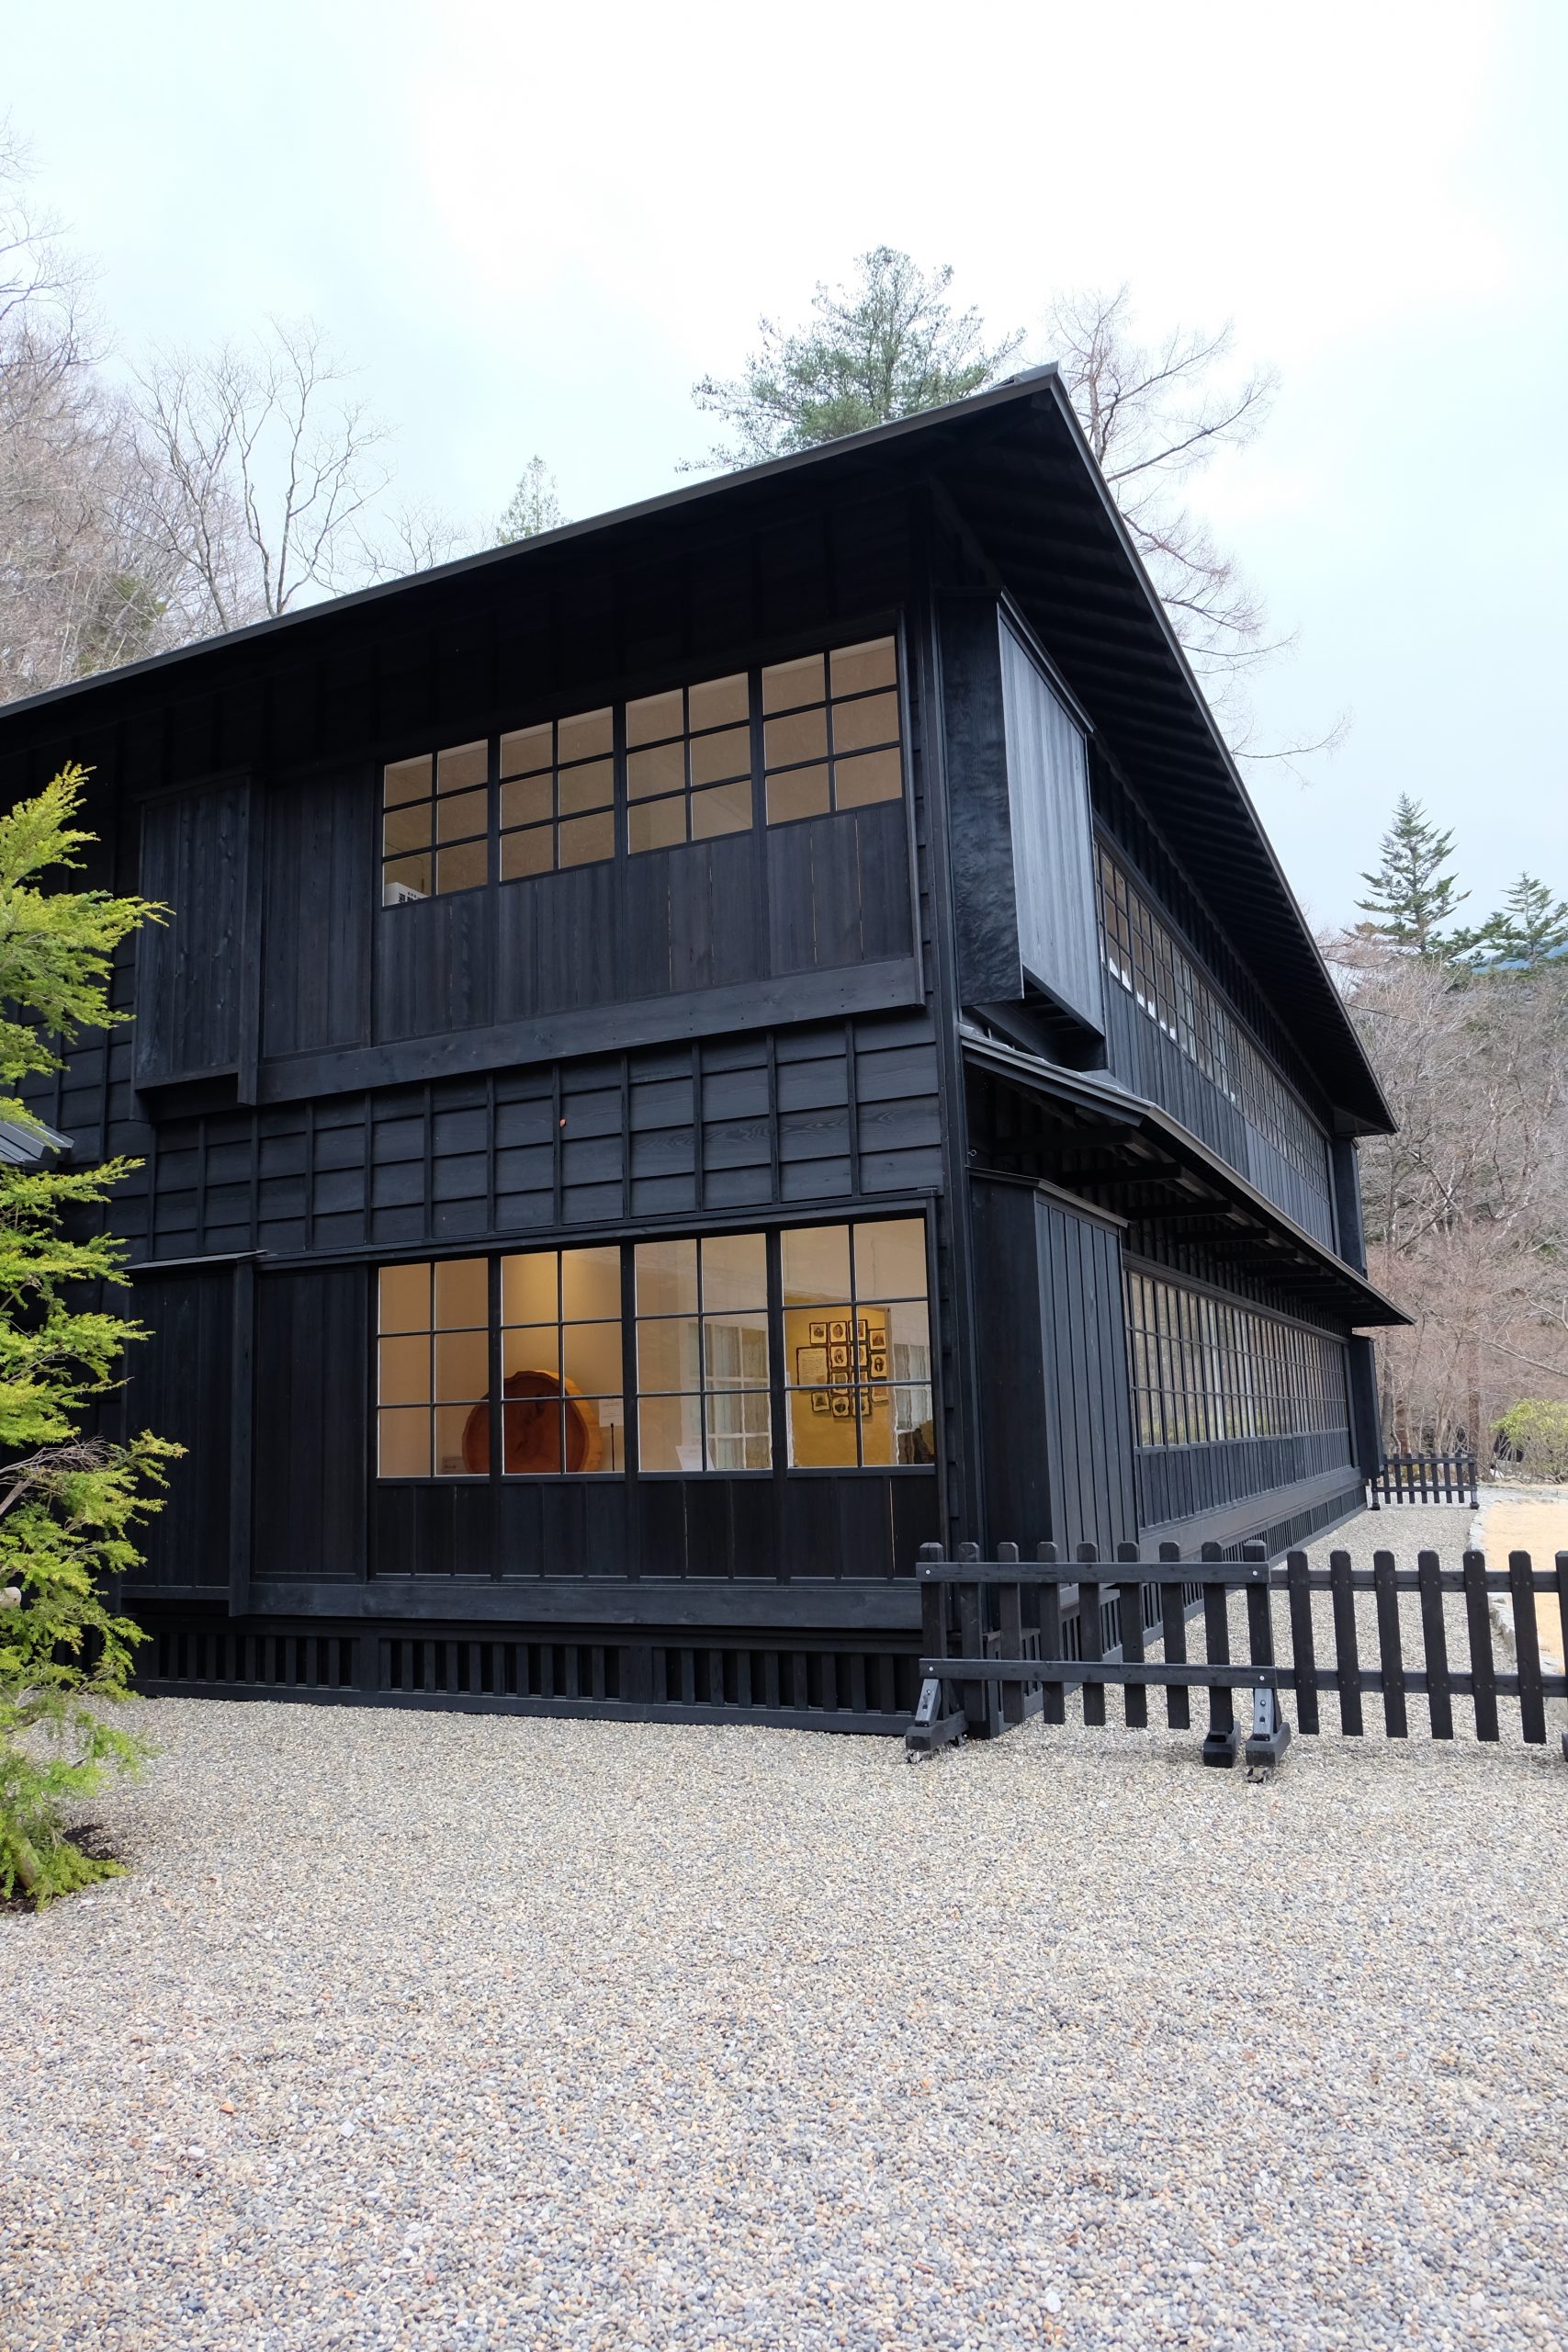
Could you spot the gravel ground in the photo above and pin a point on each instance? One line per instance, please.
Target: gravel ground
(422, 2031)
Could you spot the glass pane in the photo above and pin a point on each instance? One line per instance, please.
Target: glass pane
(531, 803)
(661, 770)
(815, 1263)
(406, 780)
(533, 1349)
(714, 757)
(406, 828)
(667, 1353)
(735, 1350)
(462, 869)
(653, 718)
(405, 1298)
(464, 764)
(719, 702)
(462, 1295)
(528, 1288)
(461, 816)
(526, 749)
(403, 1370)
(789, 683)
(802, 736)
(529, 853)
(890, 1259)
(591, 1357)
(586, 1433)
(735, 1272)
(462, 1441)
(533, 1426)
(669, 1433)
(726, 809)
(593, 785)
(857, 668)
(585, 840)
(591, 1287)
(588, 736)
(405, 878)
(876, 776)
(656, 824)
(874, 1409)
(821, 1426)
(857, 724)
(909, 1343)
(803, 791)
(667, 1277)
(914, 1428)
(404, 1445)
(462, 1365)
(734, 1442)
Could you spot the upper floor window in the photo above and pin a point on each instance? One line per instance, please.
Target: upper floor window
(830, 731)
(1141, 951)
(798, 739)
(689, 764)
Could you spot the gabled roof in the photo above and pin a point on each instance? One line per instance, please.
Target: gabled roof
(1015, 465)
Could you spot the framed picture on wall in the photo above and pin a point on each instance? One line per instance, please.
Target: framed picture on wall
(839, 1357)
(821, 1401)
(839, 1329)
(810, 1367)
(840, 1409)
(817, 1334)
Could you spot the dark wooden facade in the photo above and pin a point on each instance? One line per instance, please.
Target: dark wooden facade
(900, 1008)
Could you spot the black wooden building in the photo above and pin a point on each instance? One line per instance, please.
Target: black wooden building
(693, 1056)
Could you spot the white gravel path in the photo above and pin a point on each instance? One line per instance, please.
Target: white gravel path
(427, 2031)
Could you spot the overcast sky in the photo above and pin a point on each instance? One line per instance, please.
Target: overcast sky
(534, 227)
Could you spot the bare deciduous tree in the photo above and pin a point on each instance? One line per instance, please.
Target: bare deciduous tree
(77, 591)
(1466, 1205)
(256, 471)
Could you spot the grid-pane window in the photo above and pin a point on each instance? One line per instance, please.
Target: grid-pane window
(689, 764)
(704, 1397)
(435, 823)
(1143, 954)
(562, 1403)
(1204, 1370)
(557, 795)
(830, 731)
(433, 1369)
(857, 1345)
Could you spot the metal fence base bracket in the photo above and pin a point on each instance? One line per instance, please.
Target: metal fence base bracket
(929, 1730)
(1271, 1734)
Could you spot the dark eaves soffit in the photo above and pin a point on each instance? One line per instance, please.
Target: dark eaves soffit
(1318, 1270)
(1016, 467)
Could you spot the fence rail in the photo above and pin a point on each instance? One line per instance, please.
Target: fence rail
(1424, 1478)
(1007, 1637)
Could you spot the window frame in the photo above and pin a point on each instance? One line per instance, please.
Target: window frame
(632, 1472)
(618, 699)
(1207, 1367)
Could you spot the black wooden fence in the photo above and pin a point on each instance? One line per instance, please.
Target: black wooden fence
(1424, 1478)
(1007, 1637)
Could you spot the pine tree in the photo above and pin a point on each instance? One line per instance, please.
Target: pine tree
(1528, 929)
(1411, 897)
(888, 345)
(533, 507)
(69, 1500)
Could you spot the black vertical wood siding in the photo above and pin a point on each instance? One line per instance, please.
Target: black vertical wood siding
(1054, 1401)
(312, 1435)
(181, 1378)
(191, 983)
(1052, 837)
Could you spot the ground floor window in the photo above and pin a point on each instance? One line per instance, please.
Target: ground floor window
(1204, 1369)
(720, 1352)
